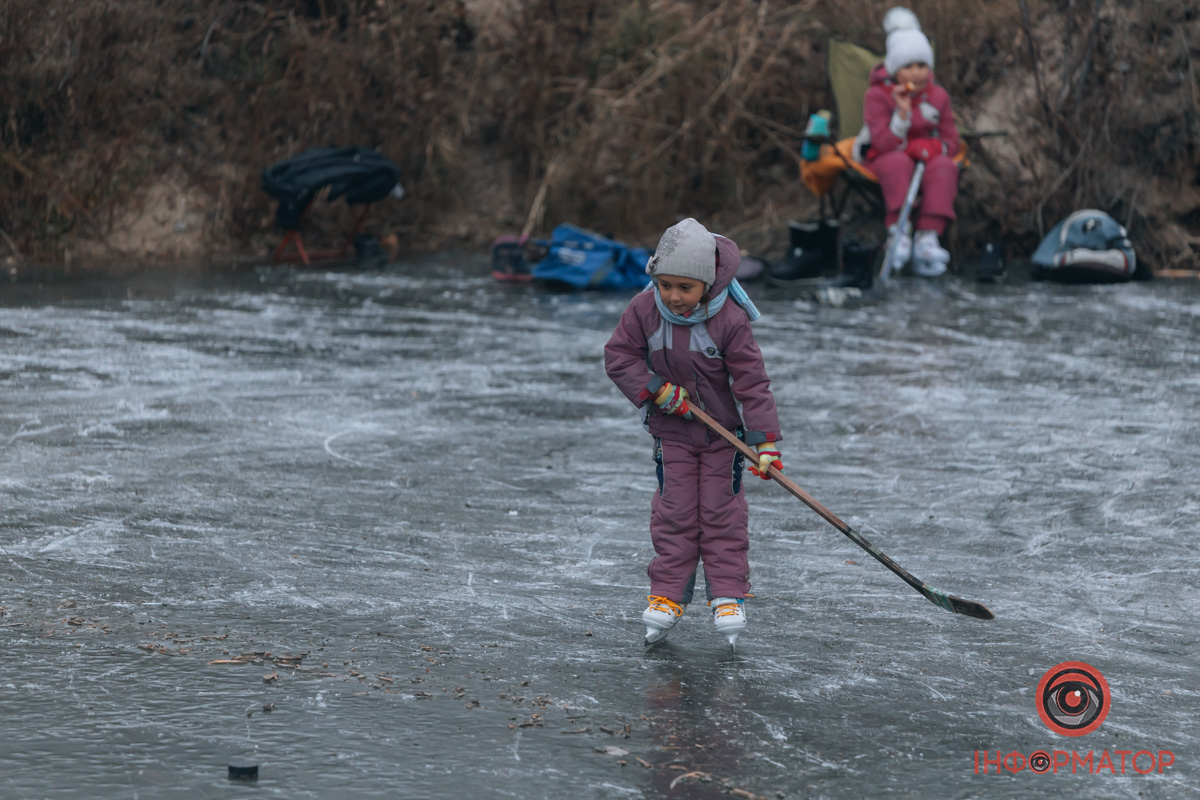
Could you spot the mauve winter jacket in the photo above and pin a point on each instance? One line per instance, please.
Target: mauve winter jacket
(716, 360)
(931, 116)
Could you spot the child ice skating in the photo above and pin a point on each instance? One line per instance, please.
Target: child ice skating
(685, 340)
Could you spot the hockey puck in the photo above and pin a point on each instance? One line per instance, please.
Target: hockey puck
(243, 769)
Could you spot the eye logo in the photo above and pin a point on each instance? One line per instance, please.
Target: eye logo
(1072, 698)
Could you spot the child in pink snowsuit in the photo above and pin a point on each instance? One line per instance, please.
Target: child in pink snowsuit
(910, 120)
(687, 339)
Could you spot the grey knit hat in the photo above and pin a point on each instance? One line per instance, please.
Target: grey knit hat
(688, 250)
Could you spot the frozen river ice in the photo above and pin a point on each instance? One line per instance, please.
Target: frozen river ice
(385, 534)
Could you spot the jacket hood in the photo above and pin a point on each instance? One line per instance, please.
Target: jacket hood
(729, 258)
(879, 74)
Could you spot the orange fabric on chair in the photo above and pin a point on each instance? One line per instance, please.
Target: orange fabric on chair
(821, 175)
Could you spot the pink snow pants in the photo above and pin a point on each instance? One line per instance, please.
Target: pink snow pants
(699, 513)
(939, 187)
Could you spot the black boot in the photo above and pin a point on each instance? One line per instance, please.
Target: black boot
(991, 263)
(805, 258)
(858, 265)
(827, 241)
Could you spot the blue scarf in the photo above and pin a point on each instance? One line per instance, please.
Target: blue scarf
(734, 290)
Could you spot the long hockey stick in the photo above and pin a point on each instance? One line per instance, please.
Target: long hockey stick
(905, 210)
(939, 598)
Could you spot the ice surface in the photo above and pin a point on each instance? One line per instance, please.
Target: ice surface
(422, 483)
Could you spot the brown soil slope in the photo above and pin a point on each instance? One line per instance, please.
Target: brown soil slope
(134, 129)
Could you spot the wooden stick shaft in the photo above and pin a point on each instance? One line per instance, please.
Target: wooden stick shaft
(809, 501)
(951, 603)
(783, 480)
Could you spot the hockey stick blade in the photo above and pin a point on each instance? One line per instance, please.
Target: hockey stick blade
(955, 605)
(968, 608)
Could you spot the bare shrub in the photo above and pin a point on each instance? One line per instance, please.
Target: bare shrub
(619, 116)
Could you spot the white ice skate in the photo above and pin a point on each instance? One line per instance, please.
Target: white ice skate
(660, 617)
(929, 258)
(729, 617)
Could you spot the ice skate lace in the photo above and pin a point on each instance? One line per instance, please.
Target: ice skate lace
(664, 605)
(727, 610)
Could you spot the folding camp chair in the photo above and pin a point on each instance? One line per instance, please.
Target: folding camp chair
(837, 175)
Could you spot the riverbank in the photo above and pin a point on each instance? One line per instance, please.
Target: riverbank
(141, 132)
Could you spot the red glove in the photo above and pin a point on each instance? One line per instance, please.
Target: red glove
(924, 149)
(672, 399)
(768, 454)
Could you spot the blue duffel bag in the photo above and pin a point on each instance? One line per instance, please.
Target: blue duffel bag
(586, 260)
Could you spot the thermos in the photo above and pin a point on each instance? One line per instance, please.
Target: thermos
(818, 125)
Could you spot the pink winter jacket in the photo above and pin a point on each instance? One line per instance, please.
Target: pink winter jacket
(931, 116)
(716, 360)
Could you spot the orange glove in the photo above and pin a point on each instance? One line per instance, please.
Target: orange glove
(768, 454)
(672, 399)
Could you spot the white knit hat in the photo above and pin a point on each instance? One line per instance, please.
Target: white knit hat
(900, 17)
(906, 46)
(687, 250)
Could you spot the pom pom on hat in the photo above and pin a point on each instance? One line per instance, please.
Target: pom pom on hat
(899, 18)
(906, 46)
(687, 250)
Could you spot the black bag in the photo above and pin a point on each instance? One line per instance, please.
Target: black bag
(358, 174)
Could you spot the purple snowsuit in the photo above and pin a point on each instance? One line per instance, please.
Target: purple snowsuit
(699, 510)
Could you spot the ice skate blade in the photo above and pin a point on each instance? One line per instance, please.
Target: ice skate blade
(732, 637)
(654, 635)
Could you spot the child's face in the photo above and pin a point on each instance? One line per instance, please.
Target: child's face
(680, 294)
(917, 74)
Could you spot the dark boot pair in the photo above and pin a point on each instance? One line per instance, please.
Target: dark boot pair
(852, 287)
(812, 252)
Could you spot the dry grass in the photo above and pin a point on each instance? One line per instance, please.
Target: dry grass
(624, 116)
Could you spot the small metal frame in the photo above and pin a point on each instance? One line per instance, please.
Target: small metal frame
(302, 256)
